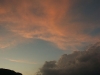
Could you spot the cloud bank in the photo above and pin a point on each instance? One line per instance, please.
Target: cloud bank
(65, 23)
(78, 63)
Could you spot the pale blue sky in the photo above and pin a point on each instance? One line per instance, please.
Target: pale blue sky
(38, 51)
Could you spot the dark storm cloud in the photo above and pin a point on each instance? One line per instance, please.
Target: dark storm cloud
(78, 63)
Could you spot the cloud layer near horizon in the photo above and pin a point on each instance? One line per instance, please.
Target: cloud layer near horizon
(78, 63)
(20, 61)
(65, 23)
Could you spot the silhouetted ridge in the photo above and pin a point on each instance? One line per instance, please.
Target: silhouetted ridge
(8, 72)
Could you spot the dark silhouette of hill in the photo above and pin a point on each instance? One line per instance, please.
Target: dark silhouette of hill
(8, 72)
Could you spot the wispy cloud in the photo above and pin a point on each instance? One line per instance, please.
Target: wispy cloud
(20, 61)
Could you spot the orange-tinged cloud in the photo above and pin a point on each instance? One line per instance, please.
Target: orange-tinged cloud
(49, 20)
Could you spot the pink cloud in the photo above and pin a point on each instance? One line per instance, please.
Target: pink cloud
(42, 19)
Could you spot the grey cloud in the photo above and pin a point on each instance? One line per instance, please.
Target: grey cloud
(78, 63)
(84, 11)
(87, 10)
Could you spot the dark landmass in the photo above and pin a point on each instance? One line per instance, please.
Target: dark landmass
(8, 72)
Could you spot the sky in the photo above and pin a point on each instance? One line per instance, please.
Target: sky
(35, 31)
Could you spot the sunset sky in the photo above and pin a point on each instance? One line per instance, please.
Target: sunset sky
(35, 31)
